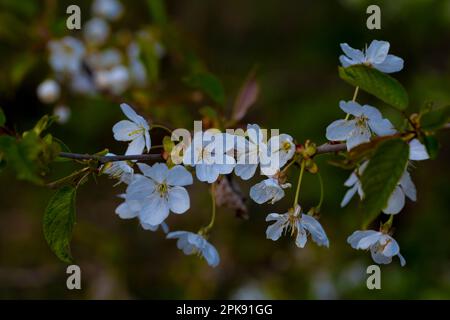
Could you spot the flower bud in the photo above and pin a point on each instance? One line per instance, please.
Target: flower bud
(48, 91)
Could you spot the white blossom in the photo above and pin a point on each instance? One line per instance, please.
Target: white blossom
(48, 91)
(367, 120)
(382, 246)
(209, 153)
(159, 191)
(135, 130)
(108, 9)
(63, 113)
(115, 80)
(296, 222)
(66, 54)
(192, 243)
(376, 56)
(268, 190)
(120, 170)
(404, 188)
(96, 31)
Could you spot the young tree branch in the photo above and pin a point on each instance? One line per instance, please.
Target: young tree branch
(105, 159)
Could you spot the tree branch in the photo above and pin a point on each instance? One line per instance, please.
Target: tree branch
(329, 148)
(105, 159)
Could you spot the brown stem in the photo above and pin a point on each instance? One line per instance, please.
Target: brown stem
(105, 159)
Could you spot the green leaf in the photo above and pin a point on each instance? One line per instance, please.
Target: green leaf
(209, 84)
(432, 145)
(377, 83)
(21, 155)
(382, 175)
(435, 119)
(59, 219)
(2, 118)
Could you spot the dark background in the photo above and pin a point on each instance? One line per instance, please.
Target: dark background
(295, 45)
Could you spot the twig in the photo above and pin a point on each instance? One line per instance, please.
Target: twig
(329, 148)
(105, 159)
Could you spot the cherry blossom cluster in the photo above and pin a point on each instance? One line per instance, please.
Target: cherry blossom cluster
(153, 192)
(361, 124)
(96, 63)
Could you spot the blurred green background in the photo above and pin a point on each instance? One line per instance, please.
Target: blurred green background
(295, 46)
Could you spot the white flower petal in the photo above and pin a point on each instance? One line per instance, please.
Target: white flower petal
(349, 195)
(382, 127)
(206, 173)
(359, 136)
(392, 248)
(179, 176)
(158, 172)
(155, 210)
(124, 211)
(369, 240)
(125, 130)
(417, 150)
(340, 130)
(396, 201)
(377, 51)
(356, 236)
(315, 229)
(408, 186)
(245, 171)
(379, 257)
(136, 147)
(356, 55)
(179, 201)
(390, 65)
(351, 107)
(302, 237)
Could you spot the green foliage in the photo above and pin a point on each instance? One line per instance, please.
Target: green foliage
(377, 83)
(435, 118)
(30, 155)
(59, 219)
(2, 118)
(149, 58)
(432, 145)
(209, 84)
(382, 175)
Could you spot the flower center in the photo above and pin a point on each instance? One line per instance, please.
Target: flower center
(361, 121)
(162, 189)
(286, 146)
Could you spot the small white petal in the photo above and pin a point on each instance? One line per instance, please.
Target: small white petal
(382, 127)
(351, 107)
(358, 137)
(206, 173)
(356, 55)
(154, 210)
(356, 236)
(408, 186)
(124, 211)
(315, 229)
(179, 201)
(396, 201)
(136, 147)
(179, 176)
(125, 130)
(340, 130)
(245, 171)
(390, 64)
(349, 195)
(417, 150)
(377, 51)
